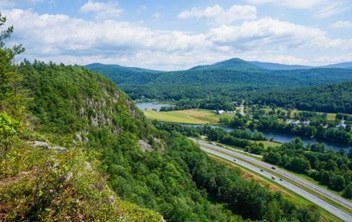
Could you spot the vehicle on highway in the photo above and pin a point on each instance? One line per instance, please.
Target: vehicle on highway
(234, 159)
(280, 179)
(273, 178)
(261, 170)
(273, 168)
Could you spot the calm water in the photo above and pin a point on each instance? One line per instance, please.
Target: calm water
(284, 138)
(151, 105)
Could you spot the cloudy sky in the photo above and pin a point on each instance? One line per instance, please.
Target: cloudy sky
(168, 35)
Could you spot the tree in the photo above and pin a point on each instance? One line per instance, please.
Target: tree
(338, 183)
(4, 34)
(272, 157)
(11, 91)
(348, 191)
(8, 133)
(299, 164)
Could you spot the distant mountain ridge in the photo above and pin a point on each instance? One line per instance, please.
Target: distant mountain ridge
(230, 64)
(344, 65)
(277, 66)
(243, 65)
(120, 74)
(134, 69)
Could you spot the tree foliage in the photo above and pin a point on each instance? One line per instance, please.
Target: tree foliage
(9, 132)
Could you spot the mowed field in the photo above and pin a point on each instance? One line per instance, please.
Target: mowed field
(190, 116)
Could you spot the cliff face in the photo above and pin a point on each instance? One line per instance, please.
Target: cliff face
(72, 102)
(51, 169)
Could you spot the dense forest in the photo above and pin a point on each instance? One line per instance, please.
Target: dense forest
(328, 98)
(330, 168)
(95, 115)
(235, 80)
(74, 147)
(88, 120)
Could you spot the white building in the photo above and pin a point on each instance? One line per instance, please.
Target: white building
(342, 124)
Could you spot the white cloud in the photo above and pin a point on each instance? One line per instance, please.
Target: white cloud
(61, 38)
(220, 15)
(342, 24)
(298, 4)
(102, 10)
(322, 8)
(331, 9)
(268, 32)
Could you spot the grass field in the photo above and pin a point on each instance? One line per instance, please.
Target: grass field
(331, 116)
(191, 116)
(269, 143)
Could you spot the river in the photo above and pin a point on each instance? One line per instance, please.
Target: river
(152, 105)
(284, 138)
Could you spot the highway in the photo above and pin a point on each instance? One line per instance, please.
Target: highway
(265, 171)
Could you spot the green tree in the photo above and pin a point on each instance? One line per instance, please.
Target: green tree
(6, 33)
(11, 92)
(348, 191)
(272, 157)
(338, 183)
(8, 133)
(300, 164)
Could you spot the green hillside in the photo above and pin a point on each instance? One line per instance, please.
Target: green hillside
(121, 74)
(47, 171)
(73, 147)
(231, 64)
(95, 134)
(327, 98)
(234, 79)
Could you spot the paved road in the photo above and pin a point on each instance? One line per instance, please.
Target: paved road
(247, 162)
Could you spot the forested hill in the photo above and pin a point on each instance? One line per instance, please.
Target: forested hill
(231, 78)
(231, 64)
(328, 98)
(69, 127)
(54, 123)
(277, 66)
(121, 74)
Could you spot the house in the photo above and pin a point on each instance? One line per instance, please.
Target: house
(220, 111)
(342, 124)
(307, 122)
(296, 122)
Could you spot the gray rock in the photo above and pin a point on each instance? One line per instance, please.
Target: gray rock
(41, 144)
(68, 176)
(88, 166)
(58, 149)
(145, 146)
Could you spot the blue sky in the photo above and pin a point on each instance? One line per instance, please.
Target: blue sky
(168, 35)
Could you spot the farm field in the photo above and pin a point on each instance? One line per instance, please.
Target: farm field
(270, 143)
(191, 116)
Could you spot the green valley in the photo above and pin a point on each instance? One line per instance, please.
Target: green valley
(229, 141)
(75, 148)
